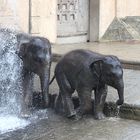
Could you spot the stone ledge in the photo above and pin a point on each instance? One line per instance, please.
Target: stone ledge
(135, 65)
(125, 111)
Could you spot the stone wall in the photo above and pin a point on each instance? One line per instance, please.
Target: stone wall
(107, 14)
(127, 8)
(43, 18)
(124, 25)
(37, 17)
(14, 13)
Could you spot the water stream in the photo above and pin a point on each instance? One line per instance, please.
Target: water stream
(10, 85)
(10, 82)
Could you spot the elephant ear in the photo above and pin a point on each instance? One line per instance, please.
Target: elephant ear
(23, 50)
(96, 68)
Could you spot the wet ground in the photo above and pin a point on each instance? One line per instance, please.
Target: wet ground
(128, 51)
(57, 127)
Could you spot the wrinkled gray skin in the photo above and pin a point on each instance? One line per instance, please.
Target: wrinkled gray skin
(35, 53)
(85, 71)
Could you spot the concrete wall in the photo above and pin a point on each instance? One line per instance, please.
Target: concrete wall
(43, 14)
(127, 8)
(14, 13)
(43, 18)
(94, 20)
(35, 16)
(107, 14)
(102, 13)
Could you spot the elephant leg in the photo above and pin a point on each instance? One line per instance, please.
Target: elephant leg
(44, 79)
(66, 93)
(27, 93)
(85, 101)
(68, 104)
(59, 104)
(100, 97)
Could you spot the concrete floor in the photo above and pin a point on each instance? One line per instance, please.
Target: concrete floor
(57, 127)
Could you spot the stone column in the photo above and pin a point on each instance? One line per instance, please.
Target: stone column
(128, 8)
(94, 20)
(23, 14)
(107, 14)
(43, 18)
(102, 13)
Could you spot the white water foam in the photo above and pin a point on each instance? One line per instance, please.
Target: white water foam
(10, 123)
(10, 82)
(10, 73)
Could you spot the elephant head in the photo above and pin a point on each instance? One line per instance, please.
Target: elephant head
(108, 69)
(35, 52)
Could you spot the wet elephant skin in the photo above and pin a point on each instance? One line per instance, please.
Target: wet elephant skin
(86, 71)
(35, 53)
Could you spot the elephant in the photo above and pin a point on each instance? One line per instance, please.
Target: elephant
(85, 71)
(35, 53)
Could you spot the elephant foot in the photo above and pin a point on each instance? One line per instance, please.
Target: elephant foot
(79, 114)
(99, 116)
(76, 117)
(52, 98)
(71, 114)
(120, 102)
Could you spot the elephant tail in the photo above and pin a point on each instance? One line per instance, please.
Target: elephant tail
(52, 80)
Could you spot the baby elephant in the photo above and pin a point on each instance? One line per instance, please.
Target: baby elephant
(35, 53)
(85, 71)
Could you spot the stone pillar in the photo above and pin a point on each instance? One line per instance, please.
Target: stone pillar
(107, 14)
(43, 18)
(102, 13)
(23, 14)
(128, 8)
(121, 8)
(94, 20)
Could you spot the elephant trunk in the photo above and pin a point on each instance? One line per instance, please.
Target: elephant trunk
(120, 89)
(44, 78)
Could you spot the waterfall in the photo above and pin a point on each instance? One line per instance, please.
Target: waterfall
(10, 81)
(10, 73)
(10, 85)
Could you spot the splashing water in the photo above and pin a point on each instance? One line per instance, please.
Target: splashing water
(10, 85)
(9, 123)
(118, 111)
(10, 73)
(10, 82)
